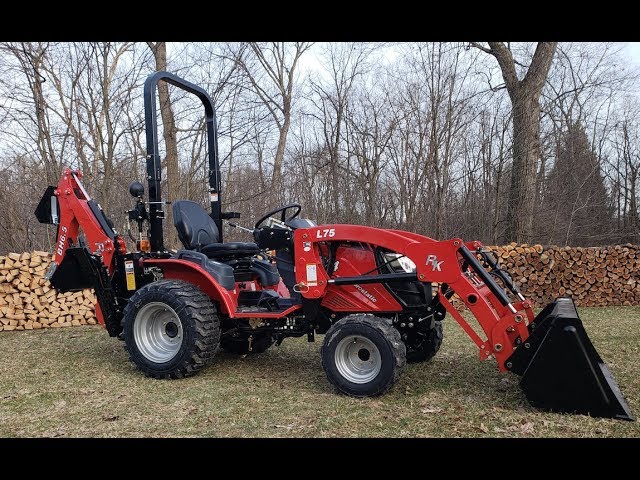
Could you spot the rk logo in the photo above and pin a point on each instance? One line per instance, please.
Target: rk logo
(435, 264)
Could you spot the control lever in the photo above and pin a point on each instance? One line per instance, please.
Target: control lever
(235, 225)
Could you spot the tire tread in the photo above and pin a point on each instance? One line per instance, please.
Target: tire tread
(391, 335)
(206, 331)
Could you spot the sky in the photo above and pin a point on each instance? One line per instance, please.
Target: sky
(311, 61)
(633, 48)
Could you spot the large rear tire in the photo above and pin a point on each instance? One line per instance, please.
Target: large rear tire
(425, 346)
(363, 355)
(171, 329)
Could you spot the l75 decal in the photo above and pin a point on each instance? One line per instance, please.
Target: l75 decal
(326, 232)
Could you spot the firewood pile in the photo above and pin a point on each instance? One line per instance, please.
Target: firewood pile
(593, 276)
(28, 302)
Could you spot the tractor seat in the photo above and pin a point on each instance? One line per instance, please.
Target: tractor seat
(232, 249)
(197, 231)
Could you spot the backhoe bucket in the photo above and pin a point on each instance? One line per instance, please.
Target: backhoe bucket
(76, 272)
(562, 371)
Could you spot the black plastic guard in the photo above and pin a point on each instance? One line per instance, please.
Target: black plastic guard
(562, 371)
(43, 210)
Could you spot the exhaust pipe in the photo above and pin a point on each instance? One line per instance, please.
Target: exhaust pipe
(561, 370)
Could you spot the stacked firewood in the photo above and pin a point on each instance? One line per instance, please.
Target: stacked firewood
(593, 276)
(29, 302)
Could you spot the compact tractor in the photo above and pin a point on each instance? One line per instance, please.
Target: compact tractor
(371, 292)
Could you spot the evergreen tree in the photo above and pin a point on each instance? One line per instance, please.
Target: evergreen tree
(576, 208)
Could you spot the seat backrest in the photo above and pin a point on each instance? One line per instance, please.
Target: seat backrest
(195, 227)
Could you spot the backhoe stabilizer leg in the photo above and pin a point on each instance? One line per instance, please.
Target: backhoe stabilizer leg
(561, 369)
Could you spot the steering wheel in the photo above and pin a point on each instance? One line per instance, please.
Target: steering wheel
(283, 216)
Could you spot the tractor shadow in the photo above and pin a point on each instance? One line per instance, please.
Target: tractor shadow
(292, 365)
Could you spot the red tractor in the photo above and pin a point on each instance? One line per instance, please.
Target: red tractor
(368, 290)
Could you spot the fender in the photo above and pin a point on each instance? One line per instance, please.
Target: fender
(175, 269)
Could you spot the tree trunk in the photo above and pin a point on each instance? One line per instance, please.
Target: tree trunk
(525, 95)
(273, 61)
(31, 57)
(633, 207)
(526, 153)
(159, 50)
(276, 180)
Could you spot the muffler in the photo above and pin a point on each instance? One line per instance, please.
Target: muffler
(562, 371)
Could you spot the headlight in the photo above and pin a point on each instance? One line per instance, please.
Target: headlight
(398, 262)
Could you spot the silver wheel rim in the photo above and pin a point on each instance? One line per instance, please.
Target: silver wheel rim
(357, 359)
(157, 331)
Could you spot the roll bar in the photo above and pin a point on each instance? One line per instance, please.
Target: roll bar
(154, 167)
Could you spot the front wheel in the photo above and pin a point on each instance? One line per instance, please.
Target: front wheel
(171, 329)
(363, 355)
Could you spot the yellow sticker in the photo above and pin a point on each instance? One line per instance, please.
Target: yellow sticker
(130, 274)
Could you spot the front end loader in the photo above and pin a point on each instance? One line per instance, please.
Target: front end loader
(371, 292)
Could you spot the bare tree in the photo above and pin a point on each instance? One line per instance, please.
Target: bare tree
(432, 113)
(345, 63)
(396, 135)
(159, 50)
(625, 172)
(525, 99)
(371, 129)
(271, 70)
(30, 57)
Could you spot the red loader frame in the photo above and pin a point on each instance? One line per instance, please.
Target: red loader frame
(450, 263)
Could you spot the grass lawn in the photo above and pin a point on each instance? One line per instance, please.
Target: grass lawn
(77, 382)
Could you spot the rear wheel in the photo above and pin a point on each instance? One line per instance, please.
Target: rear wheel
(363, 355)
(171, 329)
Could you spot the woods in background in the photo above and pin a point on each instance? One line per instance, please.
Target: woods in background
(417, 136)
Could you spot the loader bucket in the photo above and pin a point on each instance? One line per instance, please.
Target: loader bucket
(562, 371)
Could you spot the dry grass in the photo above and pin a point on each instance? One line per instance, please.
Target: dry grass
(78, 383)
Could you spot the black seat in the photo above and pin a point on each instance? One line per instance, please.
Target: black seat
(236, 249)
(197, 231)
